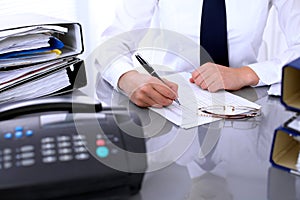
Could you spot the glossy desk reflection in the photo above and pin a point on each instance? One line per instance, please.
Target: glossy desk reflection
(227, 159)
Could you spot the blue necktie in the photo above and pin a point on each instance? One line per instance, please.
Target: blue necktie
(213, 35)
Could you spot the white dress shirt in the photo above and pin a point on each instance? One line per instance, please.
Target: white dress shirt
(246, 21)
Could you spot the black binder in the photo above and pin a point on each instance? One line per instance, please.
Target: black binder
(73, 46)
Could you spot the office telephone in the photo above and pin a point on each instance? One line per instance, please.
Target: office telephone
(65, 155)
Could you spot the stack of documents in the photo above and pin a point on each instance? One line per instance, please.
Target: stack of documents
(35, 59)
(17, 85)
(31, 45)
(21, 52)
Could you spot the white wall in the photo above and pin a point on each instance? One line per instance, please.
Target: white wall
(94, 15)
(65, 9)
(99, 15)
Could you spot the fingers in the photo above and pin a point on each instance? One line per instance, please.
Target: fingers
(158, 93)
(145, 90)
(142, 99)
(153, 94)
(174, 88)
(214, 77)
(201, 74)
(200, 71)
(209, 77)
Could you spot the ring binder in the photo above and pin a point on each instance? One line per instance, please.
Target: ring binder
(285, 152)
(66, 43)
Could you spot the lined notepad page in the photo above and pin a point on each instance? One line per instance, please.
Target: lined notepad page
(191, 98)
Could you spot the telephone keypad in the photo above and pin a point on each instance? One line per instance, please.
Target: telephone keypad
(51, 149)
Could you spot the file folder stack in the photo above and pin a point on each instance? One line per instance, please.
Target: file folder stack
(285, 152)
(38, 57)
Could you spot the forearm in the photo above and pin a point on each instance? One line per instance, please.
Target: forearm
(126, 80)
(248, 76)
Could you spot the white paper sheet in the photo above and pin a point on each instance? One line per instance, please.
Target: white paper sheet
(191, 98)
(25, 42)
(37, 88)
(12, 77)
(31, 30)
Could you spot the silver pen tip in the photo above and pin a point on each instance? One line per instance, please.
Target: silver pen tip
(176, 100)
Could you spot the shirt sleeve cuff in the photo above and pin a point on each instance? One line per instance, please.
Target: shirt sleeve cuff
(116, 70)
(269, 72)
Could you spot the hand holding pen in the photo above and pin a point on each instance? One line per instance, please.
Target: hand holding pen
(145, 91)
(151, 71)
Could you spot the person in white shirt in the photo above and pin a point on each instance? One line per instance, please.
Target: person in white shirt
(246, 22)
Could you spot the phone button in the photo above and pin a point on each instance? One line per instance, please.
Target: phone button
(8, 136)
(27, 162)
(102, 152)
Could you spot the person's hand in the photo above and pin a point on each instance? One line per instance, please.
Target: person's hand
(214, 77)
(145, 90)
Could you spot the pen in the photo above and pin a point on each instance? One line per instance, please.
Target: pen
(151, 71)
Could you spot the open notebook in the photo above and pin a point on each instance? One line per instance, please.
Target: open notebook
(191, 98)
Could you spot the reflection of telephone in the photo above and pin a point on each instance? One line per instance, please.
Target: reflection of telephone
(69, 155)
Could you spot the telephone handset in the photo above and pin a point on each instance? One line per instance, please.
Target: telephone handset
(18, 108)
(69, 157)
